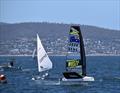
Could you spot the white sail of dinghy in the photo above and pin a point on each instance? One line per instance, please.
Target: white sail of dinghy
(44, 63)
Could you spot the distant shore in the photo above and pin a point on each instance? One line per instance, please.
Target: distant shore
(65, 55)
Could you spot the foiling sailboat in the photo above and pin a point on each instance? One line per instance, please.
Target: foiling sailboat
(44, 62)
(76, 66)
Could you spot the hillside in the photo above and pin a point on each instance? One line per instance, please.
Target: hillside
(20, 38)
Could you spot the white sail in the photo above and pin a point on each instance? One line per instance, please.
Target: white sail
(33, 55)
(44, 63)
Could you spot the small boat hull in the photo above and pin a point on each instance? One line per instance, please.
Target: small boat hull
(85, 78)
(73, 76)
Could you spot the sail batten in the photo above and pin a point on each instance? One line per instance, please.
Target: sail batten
(44, 63)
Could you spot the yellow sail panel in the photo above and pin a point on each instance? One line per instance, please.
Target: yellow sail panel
(72, 63)
(74, 31)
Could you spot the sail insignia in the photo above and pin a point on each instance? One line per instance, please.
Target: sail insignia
(75, 47)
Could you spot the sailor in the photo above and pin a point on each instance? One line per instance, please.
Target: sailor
(11, 64)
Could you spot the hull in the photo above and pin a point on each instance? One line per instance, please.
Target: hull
(86, 78)
(56, 81)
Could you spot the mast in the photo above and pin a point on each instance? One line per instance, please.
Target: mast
(82, 52)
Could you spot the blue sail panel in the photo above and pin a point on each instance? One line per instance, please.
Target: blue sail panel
(74, 39)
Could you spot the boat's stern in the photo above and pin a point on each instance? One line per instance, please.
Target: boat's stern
(87, 78)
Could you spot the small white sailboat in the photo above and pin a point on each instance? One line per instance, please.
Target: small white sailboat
(75, 66)
(44, 62)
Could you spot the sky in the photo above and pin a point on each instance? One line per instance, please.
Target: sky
(101, 13)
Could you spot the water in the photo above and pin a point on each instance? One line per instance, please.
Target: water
(105, 70)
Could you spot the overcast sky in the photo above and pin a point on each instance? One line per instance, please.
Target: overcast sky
(102, 13)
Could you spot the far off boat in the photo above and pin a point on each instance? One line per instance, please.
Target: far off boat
(75, 65)
(3, 79)
(10, 66)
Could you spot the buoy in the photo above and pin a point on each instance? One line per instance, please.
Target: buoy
(3, 79)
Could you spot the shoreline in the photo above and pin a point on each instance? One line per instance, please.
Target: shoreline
(61, 55)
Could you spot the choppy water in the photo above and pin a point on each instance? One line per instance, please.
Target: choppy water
(105, 70)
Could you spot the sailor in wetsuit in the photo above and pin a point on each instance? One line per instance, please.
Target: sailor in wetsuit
(11, 64)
